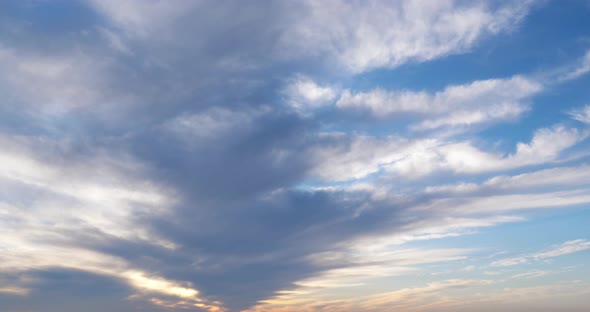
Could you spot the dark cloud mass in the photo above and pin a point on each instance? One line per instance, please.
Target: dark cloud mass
(191, 98)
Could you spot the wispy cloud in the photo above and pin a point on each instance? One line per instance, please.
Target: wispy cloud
(581, 114)
(345, 157)
(460, 105)
(566, 248)
(408, 299)
(580, 69)
(351, 33)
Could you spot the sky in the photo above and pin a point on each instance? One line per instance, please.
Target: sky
(278, 156)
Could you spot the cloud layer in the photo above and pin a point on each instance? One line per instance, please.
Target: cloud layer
(267, 156)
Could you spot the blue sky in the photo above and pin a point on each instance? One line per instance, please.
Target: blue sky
(270, 156)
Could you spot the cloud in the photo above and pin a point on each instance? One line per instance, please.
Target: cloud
(503, 203)
(211, 125)
(445, 295)
(408, 299)
(459, 105)
(44, 257)
(97, 192)
(364, 37)
(469, 268)
(17, 291)
(540, 180)
(73, 208)
(54, 84)
(582, 68)
(343, 157)
(566, 248)
(582, 114)
(147, 150)
(304, 94)
(547, 297)
(559, 176)
(546, 145)
(532, 274)
(351, 34)
(142, 19)
(436, 228)
(362, 261)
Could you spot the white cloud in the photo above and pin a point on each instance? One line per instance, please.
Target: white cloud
(546, 145)
(582, 114)
(459, 105)
(383, 103)
(531, 181)
(453, 188)
(532, 274)
(434, 228)
(356, 157)
(566, 248)
(303, 94)
(383, 255)
(469, 268)
(99, 192)
(491, 113)
(582, 68)
(387, 34)
(502, 203)
(509, 262)
(560, 176)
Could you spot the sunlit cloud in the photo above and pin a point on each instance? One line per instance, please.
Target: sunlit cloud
(16, 291)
